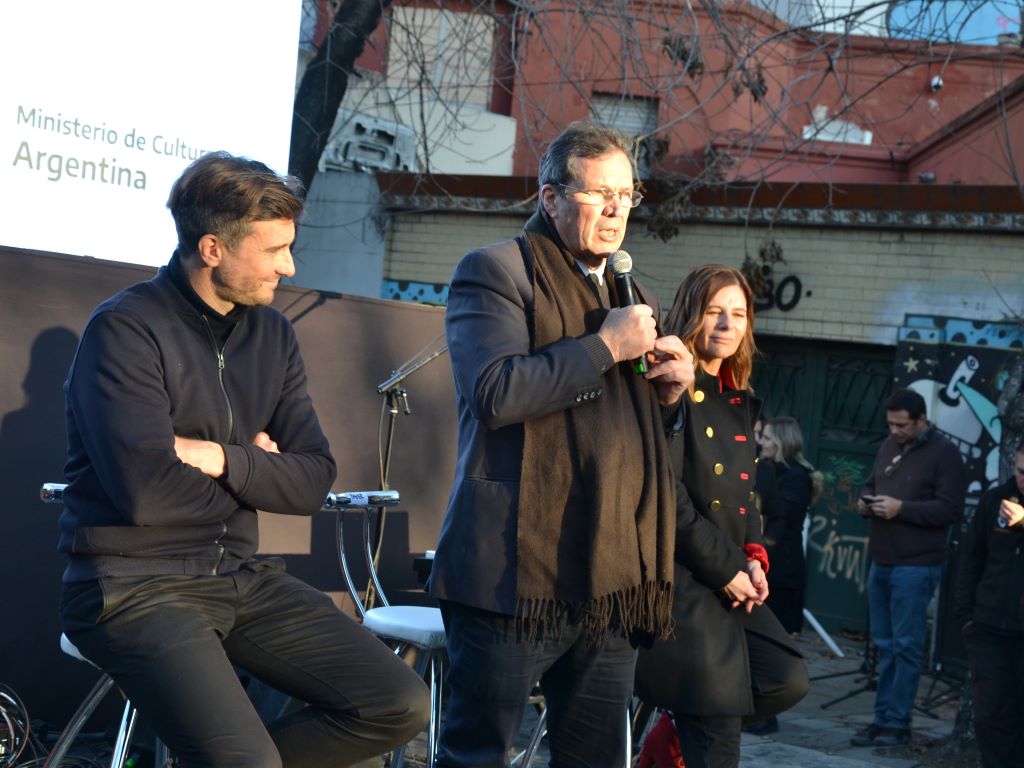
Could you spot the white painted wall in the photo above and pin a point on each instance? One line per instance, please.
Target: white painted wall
(340, 245)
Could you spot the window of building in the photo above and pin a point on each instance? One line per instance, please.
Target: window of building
(635, 116)
(441, 54)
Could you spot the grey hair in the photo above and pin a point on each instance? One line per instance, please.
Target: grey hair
(579, 140)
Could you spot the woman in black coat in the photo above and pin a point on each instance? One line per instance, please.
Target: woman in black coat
(796, 486)
(730, 658)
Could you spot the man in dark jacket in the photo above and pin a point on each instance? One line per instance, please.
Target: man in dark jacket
(187, 410)
(555, 555)
(914, 494)
(990, 586)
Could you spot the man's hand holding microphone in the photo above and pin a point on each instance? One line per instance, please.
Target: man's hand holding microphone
(630, 333)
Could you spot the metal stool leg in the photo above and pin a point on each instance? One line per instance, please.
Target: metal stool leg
(423, 663)
(124, 735)
(540, 730)
(436, 705)
(129, 717)
(78, 720)
(629, 738)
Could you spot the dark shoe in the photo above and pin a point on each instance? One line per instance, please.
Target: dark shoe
(893, 737)
(762, 727)
(867, 736)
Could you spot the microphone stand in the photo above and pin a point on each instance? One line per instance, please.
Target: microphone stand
(395, 394)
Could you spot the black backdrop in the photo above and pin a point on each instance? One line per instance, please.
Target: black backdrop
(350, 344)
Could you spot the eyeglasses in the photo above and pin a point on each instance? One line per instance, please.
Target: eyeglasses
(605, 196)
(893, 465)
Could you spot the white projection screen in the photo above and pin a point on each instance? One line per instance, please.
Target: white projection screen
(104, 102)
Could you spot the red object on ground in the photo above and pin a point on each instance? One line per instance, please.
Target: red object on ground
(661, 746)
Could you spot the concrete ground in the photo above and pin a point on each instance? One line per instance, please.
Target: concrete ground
(811, 734)
(816, 733)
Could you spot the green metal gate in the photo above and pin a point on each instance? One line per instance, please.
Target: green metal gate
(837, 392)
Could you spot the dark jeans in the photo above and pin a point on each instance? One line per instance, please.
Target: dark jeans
(778, 681)
(997, 682)
(170, 643)
(490, 678)
(709, 742)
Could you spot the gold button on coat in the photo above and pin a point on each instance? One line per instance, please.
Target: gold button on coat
(719, 469)
(715, 505)
(698, 396)
(710, 431)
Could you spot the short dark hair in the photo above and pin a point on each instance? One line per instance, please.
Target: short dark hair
(581, 139)
(221, 194)
(907, 400)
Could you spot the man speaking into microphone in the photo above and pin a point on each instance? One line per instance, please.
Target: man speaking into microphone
(555, 555)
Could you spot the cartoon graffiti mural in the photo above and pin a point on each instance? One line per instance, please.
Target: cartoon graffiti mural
(972, 378)
(961, 368)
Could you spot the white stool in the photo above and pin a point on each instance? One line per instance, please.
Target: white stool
(406, 626)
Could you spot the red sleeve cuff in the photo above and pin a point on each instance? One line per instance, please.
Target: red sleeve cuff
(757, 552)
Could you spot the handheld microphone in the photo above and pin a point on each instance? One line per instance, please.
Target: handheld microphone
(622, 264)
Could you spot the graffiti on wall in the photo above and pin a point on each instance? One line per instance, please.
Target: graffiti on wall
(961, 368)
(838, 542)
(411, 290)
(783, 296)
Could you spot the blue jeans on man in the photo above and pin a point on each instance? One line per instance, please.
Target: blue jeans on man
(898, 597)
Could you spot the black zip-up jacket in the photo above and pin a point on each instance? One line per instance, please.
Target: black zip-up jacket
(150, 367)
(990, 580)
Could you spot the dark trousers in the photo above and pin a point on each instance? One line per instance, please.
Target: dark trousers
(997, 682)
(171, 643)
(490, 678)
(787, 603)
(778, 680)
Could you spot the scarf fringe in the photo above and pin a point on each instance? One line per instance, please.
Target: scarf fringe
(642, 611)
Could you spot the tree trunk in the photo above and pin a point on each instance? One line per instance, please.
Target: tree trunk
(325, 81)
(1011, 414)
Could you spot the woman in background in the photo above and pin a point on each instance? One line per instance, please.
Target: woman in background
(730, 658)
(797, 485)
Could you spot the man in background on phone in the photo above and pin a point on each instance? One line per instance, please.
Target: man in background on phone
(989, 588)
(914, 494)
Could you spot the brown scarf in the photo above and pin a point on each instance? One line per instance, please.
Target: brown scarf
(596, 526)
